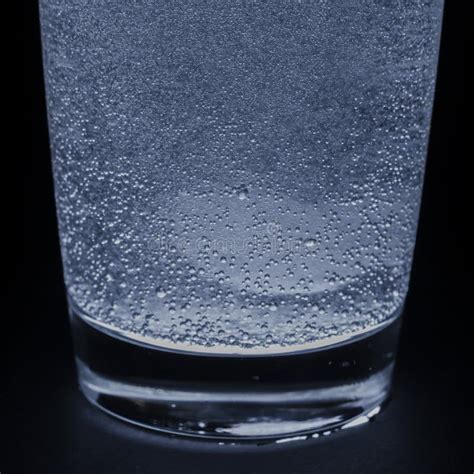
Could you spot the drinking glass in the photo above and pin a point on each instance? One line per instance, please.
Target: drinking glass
(237, 186)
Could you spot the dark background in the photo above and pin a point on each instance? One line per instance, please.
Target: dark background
(425, 429)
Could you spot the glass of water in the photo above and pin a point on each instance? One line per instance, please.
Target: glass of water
(237, 187)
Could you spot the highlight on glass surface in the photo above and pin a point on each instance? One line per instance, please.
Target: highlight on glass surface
(237, 188)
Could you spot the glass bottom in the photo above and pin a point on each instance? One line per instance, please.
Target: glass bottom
(236, 397)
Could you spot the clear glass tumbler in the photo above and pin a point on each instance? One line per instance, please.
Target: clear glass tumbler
(237, 187)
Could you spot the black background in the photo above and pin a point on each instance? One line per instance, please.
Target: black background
(425, 429)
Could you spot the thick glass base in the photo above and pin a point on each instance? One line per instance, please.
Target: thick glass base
(231, 396)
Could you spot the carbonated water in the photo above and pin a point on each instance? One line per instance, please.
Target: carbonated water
(239, 175)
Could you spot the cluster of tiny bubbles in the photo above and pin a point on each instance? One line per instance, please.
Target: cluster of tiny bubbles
(239, 174)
